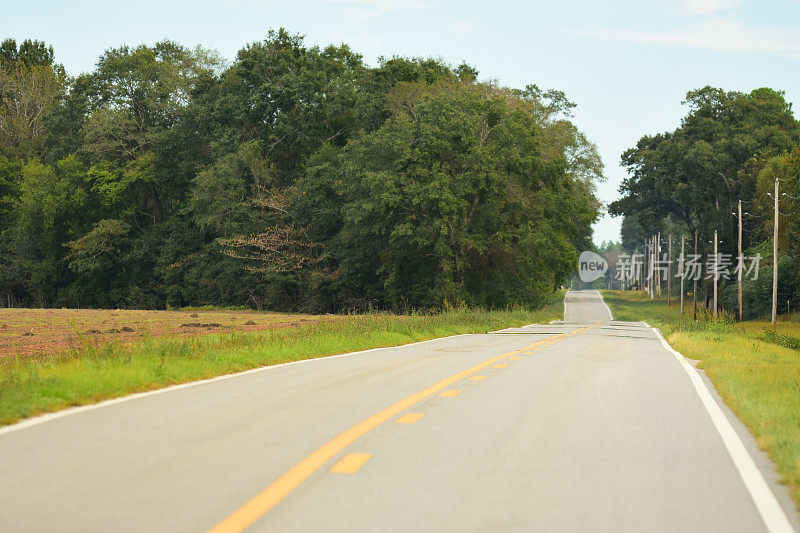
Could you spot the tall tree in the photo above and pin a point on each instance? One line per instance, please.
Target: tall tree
(30, 88)
(699, 172)
(296, 177)
(450, 200)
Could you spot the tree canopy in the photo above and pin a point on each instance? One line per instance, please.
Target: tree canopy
(729, 147)
(293, 177)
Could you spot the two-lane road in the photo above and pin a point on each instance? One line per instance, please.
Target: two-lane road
(585, 425)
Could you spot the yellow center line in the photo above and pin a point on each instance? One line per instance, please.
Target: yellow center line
(500, 366)
(516, 358)
(409, 418)
(251, 511)
(350, 463)
(450, 393)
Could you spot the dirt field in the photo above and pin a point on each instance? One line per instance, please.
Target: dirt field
(49, 331)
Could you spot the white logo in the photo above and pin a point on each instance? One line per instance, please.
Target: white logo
(591, 266)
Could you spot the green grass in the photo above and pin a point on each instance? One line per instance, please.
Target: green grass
(755, 369)
(30, 386)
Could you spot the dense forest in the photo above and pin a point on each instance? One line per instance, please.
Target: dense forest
(292, 177)
(730, 147)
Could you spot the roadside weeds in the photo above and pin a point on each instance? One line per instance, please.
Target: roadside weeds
(90, 373)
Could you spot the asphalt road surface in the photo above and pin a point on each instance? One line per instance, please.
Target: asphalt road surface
(584, 425)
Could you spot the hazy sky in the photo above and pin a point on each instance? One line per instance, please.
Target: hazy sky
(627, 64)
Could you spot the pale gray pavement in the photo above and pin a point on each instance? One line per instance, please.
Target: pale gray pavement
(601, 431)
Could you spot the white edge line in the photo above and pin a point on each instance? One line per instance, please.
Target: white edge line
(41, 419)
(610, 316)
(767, 504)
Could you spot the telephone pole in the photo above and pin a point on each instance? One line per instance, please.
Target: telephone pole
(651, 269)
(657, 265)
(741, 263)
(645, 265)
(646, 269)
(716, 273)
(654, 274)
(694, 291)
(775, 261)
(669, 270)
(637, 278)
(660, 273)
(682, 271)
(640, 272)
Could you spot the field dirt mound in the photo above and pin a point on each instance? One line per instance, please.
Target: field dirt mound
(27, 332)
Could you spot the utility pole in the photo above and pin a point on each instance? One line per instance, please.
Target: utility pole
(694, 291)
(669, 270)
(649, 259)
(657, 265)
(653, 253)
(645, 265)
(642, 281)
(650, 267)
(654, 262)
(682, 271)
(640, 272)
(650, 284)
(637, 276)
(741, 263)
(660, 274)
(716, 273)
(775, 261)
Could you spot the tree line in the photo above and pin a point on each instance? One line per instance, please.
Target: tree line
(731, 146)
(293, 177)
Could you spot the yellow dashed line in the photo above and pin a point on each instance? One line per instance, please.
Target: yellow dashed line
(350, 463)
(409, 418)
(259, 505)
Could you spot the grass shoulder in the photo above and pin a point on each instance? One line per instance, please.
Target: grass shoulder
(91, 373)
(755, 368)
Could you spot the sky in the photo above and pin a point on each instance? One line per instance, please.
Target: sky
(626, 64)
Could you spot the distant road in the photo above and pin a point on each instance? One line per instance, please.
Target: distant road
(585, 425)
